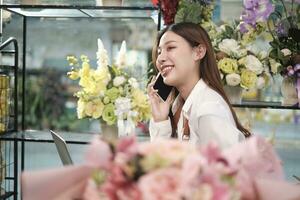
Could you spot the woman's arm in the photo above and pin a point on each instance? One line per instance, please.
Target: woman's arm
(160, 130)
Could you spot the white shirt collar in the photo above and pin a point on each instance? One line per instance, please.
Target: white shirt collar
(196, 91)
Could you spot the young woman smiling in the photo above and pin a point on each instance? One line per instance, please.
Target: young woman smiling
(201, 112)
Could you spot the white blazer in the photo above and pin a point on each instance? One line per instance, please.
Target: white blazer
(209, 116)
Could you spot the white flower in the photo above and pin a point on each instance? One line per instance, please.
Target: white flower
(133, 83)
(102, 57)
(121, 58)
(123, 106)
(230, 47)
(233, 79)
(118, 80)
(286, 52)
(274, 65)
(260, 82)
(222, 75)
(252, 63)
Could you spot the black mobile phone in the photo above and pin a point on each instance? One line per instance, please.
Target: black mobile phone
(163, 89)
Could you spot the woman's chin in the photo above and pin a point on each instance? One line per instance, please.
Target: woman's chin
(169, 81)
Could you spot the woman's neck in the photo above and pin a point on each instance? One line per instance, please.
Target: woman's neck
(186, 89)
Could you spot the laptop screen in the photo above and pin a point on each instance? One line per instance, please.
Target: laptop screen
(62, 149)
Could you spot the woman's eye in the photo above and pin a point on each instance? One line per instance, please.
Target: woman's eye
(170, 48)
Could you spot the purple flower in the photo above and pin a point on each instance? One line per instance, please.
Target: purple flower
(256, 10)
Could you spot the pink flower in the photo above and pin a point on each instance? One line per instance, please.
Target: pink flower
(257, 157)
(172, 151)
(99, 154)
(128, 146)
(161, 184)
(212, 153)
(91, 191)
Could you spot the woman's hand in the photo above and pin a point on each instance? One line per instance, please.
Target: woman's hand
(160, 109)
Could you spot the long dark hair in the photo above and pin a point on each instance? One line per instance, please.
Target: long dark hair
(195, 35)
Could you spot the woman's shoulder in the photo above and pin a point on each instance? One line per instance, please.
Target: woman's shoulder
(212, 103)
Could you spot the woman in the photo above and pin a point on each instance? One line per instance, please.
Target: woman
(201, 111)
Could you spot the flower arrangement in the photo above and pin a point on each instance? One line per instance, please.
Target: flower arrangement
(197, 11)
(107, 92)
(165, 170)
(239, 65)
(285, 45)
(128, 170)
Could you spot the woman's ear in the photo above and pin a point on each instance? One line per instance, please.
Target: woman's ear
(199, 52)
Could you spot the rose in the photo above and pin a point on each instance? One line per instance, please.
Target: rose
(133, 83)
(252, 63)
(161, 184)
(229, 46)
(286, 52)
(94, 108)
(228, 65)
(112, 93)
(119, 80)
(233, 79)
(108, 114)
(248, 79)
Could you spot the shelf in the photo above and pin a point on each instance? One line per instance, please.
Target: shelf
(45, 136)
(7, 51)
(7, 66)
(6, 195)
(69, 11)
(265, 104)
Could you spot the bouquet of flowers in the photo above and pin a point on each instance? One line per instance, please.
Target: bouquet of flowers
(107, 92)
(285, 45)
(239, 65)
(165, 170)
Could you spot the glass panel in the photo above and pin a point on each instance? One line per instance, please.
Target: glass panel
(77, 2)
(121, 13)
(35, 12)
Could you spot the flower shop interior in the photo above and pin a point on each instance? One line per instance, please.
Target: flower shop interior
(50, 69)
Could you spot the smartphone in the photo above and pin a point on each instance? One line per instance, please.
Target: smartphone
(163, 89)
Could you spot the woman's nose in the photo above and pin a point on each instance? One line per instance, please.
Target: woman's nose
(161, 58)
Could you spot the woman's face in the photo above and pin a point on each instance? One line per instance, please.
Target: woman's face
(177, 60)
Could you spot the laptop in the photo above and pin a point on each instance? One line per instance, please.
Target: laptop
(62, 149)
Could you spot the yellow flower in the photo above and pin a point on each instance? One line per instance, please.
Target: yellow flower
(141, 104)
(72, 60)
(228, 65)
(139, 98)
(95, 88)
(84, 58)
(248, 79)
(85, 81)
(94, 108)
(73, 74)
(106, 100)
(108, 114)
(80, 109)
(85, 71)
(112, 93)
(102, 74)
